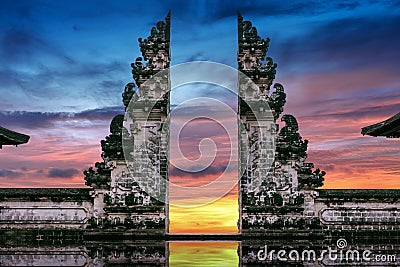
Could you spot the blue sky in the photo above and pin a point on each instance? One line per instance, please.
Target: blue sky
(75, 55)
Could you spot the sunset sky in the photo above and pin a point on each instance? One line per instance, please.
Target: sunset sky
(64, 65)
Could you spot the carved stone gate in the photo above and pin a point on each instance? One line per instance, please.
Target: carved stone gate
(277, 187)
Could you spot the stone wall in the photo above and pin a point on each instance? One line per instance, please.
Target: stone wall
(62, 208)
(358, 209)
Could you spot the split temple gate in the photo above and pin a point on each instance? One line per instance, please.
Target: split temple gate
(285, 206)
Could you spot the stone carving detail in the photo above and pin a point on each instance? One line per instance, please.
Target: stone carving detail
(112, 145)
(277, 100)
(157, 41)
(290, 146)
(42, 257)
(141, 72)
(148, 115)
(99, 177)
(253, 62)
(128, 179)
(360, 216)
(289, 143)
(278, 221)
(141, 220)
(128, 94)
(40, 215)
(132, 186)
(155, 50)
(309, 179)
(112, 150)
(278, 200)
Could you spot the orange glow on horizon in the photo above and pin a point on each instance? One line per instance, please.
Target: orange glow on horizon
(220, 216)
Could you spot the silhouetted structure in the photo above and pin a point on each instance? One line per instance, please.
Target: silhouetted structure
(8, 137)
(389, 128)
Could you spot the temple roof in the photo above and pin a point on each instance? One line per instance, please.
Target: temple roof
(389, 128)
(8, 137)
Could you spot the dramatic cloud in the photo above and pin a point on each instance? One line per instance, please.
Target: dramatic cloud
(35, 120)
(10, 173)
(62, 173)
(354, 43)
(211, 170)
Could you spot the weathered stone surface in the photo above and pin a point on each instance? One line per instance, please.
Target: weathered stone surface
(388, 195)
(126, 179)
(362, 209)
(63, 208)
(278, 200)
(53, 194)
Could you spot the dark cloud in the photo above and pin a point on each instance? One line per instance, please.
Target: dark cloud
(54, 71)
(210, 11)
(109, 84)
(62, 173)
(347, 5)
(99, 114)
(211, 170)
(89, 82)
(83, 69)
(34, 120)
(20, 9)
(109, 90)
(395, 172)
(24, 119)
(91, 69)
(329, 167)
(255, 8)
(371, 97)
(11, 173)
(347, 43)
(22, 44)
(358, 113)
(196, 57)
(17, 42)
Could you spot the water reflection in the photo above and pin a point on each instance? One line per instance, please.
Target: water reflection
(199, 253)
(203, 253)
